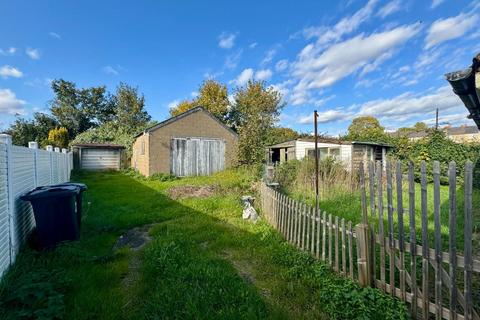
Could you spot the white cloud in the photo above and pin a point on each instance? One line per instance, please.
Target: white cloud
(263, 75)
(54, 35)
(452, 119)
(243, 77)
(8, 52)
(408, 105)
(326, 116)
(281, 65)
(232, 60)
(268, 56)
(173, 104)
(345, 26)
(9, 71)
(33, 53)
(316, 68)
(226, 40)
(110, 70)
(253, 45)
(390, 8)
(450, 28)
(9, 104)
(436, 3)
(194, 94)
(38, 82)
(401, 108)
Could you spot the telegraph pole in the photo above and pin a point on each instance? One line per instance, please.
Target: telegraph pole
(315, 116)
(436, 121)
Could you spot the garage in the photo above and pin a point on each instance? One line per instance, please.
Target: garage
(197, 156)
(98, 156)
(193, 143)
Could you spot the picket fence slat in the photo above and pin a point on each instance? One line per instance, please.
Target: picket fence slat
(413, 238)
(438, 240)
(425, 251)
(401, 232)
(452, 232)
(387, 258)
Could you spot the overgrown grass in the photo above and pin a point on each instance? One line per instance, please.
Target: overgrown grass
(204, 262)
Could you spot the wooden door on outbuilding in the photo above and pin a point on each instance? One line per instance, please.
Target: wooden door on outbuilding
(197, 156)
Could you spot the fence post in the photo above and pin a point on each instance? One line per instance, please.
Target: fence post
(363, 238)
(34, 145)
(7, 140)
(50, 149)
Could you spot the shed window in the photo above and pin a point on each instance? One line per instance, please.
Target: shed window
(324, 152)
(142, 148)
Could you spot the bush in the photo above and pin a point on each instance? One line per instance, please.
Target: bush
(299, 176)
(436, 147)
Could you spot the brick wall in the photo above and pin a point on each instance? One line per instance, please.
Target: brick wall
(197, 124)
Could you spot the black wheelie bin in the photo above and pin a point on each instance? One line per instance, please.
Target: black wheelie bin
(55, 214)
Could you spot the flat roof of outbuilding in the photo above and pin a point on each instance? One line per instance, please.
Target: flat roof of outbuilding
(99, 145)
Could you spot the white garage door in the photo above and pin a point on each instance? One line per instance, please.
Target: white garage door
(197, 156)
(99, 159)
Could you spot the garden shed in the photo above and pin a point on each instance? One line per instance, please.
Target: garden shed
(97, 156)
(189, 144)
(350, 153)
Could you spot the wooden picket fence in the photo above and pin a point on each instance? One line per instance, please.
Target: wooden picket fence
(433, 282)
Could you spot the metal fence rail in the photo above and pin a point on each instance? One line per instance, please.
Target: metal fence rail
(385, 252)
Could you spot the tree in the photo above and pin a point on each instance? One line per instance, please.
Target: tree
(420, 126)
(80, 109)
(254, 113)
(212, 95)
(130, 109)
(280, 134)
(58, 137)
(366, 128)
(24, 131)
(181, 107)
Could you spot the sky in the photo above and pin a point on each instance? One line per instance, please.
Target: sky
(343, 58)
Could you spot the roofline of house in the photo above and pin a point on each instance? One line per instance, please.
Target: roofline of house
(183, 115)
(332, 141)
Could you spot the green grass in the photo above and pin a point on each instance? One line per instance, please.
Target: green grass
(204, 262)
(346, 204)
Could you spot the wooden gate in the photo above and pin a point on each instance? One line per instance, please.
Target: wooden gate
(197, 156)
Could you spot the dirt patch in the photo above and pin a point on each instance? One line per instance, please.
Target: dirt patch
(135, 238)
(189, 191)
(245, 270)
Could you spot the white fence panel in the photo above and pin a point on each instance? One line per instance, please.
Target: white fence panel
(23, 177)
(22, 169)
(4, 219)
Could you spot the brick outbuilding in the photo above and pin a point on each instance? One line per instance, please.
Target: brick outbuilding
(192, 143)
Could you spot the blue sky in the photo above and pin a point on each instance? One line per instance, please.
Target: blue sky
(343, 58)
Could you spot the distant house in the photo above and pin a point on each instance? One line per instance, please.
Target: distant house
(192, 143)
(461, 134)
(350, 153)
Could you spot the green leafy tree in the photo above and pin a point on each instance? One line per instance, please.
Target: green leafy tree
(130, 113)
(280, 134)
(366, 128)
(80, 109)
(256, 110)
(58, 137)
(24, 131)
(212, 95)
